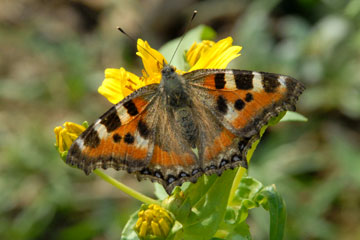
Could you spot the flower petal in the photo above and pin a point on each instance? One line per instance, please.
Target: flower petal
(118, 84)
(151, 58)
(218, 56)
(196, 50)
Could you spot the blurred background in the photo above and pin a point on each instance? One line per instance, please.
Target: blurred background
(52, 60)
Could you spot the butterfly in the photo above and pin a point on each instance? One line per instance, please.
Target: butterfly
(201, 122)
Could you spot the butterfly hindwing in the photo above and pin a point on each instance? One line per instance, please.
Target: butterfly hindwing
(173, 160)
(122, 138)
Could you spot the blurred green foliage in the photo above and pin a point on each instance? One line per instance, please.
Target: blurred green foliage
(53, 54)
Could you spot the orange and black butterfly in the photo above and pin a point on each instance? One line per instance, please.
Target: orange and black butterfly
(201, 122)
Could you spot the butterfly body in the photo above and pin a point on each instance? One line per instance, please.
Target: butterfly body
(201, 122)
(179, 104)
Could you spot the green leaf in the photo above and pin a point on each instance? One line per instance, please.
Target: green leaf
(240, 232)
(271, 199)
(231, 228)
(85, 124)
(196, 191)
(176, 232)
(128, 232)
(248, 189)
(197, 34)
(250, 194)
(209, 198)
(293, 116)
(160, 192)
(208, 33)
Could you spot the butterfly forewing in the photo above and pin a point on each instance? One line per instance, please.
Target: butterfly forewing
(244, 101)
(122, 138)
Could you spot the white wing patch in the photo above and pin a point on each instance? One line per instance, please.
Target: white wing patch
(257, 82)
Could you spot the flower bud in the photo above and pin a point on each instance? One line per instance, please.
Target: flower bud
(177, 204)
(66, 135)
(154, 222)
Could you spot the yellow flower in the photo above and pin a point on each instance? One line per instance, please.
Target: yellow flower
(66, 135)
(119, 83)
(154, 222)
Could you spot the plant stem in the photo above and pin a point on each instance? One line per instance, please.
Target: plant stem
(236, 183)
(125, 188)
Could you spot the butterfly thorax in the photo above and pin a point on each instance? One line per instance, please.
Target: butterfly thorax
(174, 88)
(179, 103)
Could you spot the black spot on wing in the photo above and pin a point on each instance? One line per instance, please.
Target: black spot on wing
(131, 108)
(270, 82)
(239, 104)
(220, 80)
(249, 97)
(243, 79)
(129, 139)
(221, 104)
(143, 129)
(116, 138)
(111, 120)
(91, 137)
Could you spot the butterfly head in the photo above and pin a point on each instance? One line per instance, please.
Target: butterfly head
(167, 70)
(169, 77)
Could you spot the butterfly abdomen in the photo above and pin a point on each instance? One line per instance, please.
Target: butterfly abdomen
(188, 128)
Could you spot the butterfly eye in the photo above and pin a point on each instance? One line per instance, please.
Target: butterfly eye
(172, 70)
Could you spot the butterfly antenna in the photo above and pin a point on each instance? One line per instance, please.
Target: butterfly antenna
(186, 29)
(133, 39)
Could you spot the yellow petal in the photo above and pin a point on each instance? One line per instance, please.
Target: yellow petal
(218, 56)
(57, 131)
(74, 128)
(68, 138)
(143, 228)
(155, 229)
(164, 225)
(151, 58)
(118, 84)
(153, 79)
(197, 50)
(138, 223)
